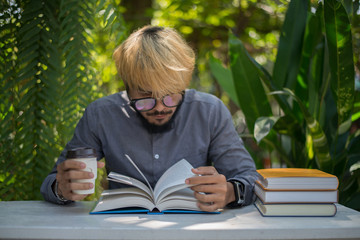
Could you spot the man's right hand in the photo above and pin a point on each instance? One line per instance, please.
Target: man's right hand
(71, 170)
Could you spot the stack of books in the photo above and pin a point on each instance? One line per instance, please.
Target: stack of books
(296, 192)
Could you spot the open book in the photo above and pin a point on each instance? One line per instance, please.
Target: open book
(170, 193)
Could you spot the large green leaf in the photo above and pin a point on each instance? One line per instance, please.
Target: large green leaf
(290, 44)
(269, 83)
(339, 39)
(250, 91)
(224, 77)
(319, 139)
(311, 68)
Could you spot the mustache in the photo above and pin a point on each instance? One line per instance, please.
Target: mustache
(156, 113)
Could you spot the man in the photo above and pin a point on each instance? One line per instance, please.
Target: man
(157, 122)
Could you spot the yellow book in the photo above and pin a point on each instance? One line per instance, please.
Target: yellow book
(296, 179)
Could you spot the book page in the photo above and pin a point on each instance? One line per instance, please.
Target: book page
(123, 191)
(174, 176)
(112, 202)
(178, 204)
(183, 194)
(138, 169)
(116, 177)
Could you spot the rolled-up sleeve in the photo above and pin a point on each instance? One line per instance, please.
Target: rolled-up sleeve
(228, 153)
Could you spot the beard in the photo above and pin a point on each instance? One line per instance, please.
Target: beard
(160, 128)
(156, 128)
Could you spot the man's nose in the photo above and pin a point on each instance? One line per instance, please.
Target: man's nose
(159, 105)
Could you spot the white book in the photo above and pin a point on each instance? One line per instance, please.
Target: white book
(296, 196)
(296, 209)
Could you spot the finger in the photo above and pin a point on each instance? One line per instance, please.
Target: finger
(217, 197)
(65, 177)
(204, 198)
(74, 174)
(208, 207)
(100, 164)
(211, 188)
(70, 164)
(210, 202)
(74, 197)
(68, 188)
(209, 179)
(209, 170)
(80, 186)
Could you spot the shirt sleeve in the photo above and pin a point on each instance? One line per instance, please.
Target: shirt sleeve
(228, 153)
(84, 136)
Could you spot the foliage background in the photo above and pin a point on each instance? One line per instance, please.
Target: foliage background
(56, 57)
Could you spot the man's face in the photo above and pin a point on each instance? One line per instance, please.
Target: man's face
(160, 114)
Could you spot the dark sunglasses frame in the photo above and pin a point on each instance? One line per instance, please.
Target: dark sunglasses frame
(133, 102)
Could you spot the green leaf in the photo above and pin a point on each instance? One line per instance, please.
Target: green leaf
(339, 38)
(290, 44)
(269, 83)
(263, 126)
(107, 11)
(30, 42)
(100, 6)
(29, 68)
(31, 33)
(110, 19)
(28, 51)
(32, 7)
(29, 74)
(287, 125)
(224, 78)
(319, 139)
(250, 91)
(312, 49)
(29, 26)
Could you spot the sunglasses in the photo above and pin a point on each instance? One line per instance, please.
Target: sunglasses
(146, 104)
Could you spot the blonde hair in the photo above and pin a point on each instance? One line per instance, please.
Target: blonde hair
(156, 60)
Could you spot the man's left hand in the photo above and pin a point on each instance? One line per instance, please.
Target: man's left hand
(211, 189)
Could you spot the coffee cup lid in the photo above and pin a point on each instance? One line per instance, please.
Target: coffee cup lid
(80, 153)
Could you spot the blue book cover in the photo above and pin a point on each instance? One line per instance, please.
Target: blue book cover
(135, 210)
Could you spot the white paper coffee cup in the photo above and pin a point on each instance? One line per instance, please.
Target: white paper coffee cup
(88, 157)
(91, 166)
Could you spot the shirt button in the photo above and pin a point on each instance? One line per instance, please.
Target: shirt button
(156, 156)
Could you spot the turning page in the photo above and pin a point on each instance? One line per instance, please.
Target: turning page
(116, 177)
(173, 179)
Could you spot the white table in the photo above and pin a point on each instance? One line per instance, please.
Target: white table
(42, 220)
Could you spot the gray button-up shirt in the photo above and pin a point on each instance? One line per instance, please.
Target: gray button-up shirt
(201, 131)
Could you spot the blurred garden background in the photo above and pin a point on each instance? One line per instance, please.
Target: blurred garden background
(287, 70)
